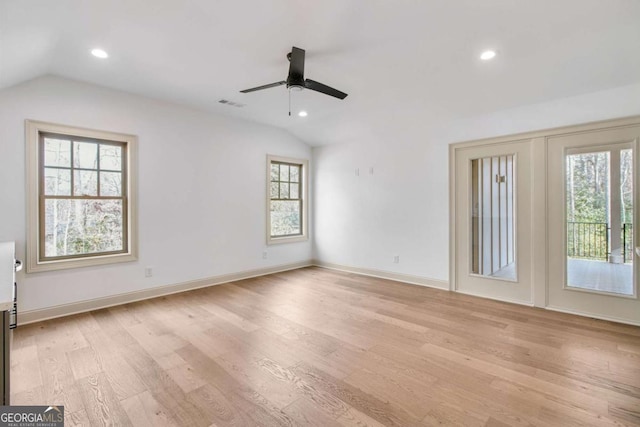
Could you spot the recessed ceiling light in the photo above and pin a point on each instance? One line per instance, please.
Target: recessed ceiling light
(99, 53)
(487, 55)
(303, 114)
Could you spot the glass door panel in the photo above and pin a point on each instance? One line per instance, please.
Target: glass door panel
(599, 220)
(592, 188)
(492, 222)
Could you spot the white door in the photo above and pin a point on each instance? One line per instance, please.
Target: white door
(592, 190)
(493, 221)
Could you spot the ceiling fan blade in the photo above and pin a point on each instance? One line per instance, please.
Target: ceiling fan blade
(296, 64)
(322, 88)
(253, 89)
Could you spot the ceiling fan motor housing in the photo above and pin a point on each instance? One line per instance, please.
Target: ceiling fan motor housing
(295, 79)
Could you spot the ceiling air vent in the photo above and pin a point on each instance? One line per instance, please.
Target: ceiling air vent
(231, 103)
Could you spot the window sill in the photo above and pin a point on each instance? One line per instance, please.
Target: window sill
(37, 267)
(288, 239)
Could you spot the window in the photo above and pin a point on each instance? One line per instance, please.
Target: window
(287, 199)
(81, 197)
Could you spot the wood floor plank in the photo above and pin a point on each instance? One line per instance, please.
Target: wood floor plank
(313, 340)
(245, 368)
(122, 377)
(355, 418)
(170, 360)
(413, 399)
(553, 404)
(374, 362)
(163, 388)
(217, 407)
(58, 384)
(76, 419)
(440, 368)
(84, 362)
(321, 347)
(630, 413)
(577, 398)
(144, 410)
(182, 409)
(463, 392)
(324, 400)
(25, 366)
(237, 320)
(478, 401)
(450, 415)
(60, 335)
(306, 413)
(154, 343)
(101, 404)
(185, 377)
(381, 410)
(32, 396)
(270, 344)
(252, 403)
(127, 314)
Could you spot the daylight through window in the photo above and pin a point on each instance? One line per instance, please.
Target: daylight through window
(82, 197)
(286, 195)
(81, 203)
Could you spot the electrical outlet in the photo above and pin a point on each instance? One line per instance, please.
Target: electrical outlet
(396, 259)
(148, 272)
(264, 255)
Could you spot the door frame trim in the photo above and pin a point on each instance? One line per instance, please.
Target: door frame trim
(539, 145)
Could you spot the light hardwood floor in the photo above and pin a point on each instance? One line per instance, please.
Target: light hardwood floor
(319, 347)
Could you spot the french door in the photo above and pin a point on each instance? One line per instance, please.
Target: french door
(592, 192)
(550, 218)
(493, 221)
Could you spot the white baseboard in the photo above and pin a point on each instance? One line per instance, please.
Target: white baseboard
(38, 315)
(594, 316)
(32, 316)
(398, 277)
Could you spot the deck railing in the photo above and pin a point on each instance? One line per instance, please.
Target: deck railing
(588, 240)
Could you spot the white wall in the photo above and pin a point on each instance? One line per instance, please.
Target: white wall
(402, 208)
(201, 189)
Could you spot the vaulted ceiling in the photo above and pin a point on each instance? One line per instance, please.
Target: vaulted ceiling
(391, 57)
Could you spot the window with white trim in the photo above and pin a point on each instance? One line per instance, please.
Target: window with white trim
(287, 190)
(81, 197)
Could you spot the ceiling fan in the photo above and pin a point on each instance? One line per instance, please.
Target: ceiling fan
(296, 81)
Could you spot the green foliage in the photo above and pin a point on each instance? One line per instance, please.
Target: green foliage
(587, 187)
(588, 198)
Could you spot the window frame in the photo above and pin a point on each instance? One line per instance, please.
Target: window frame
(36, 260)
(303, 195)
